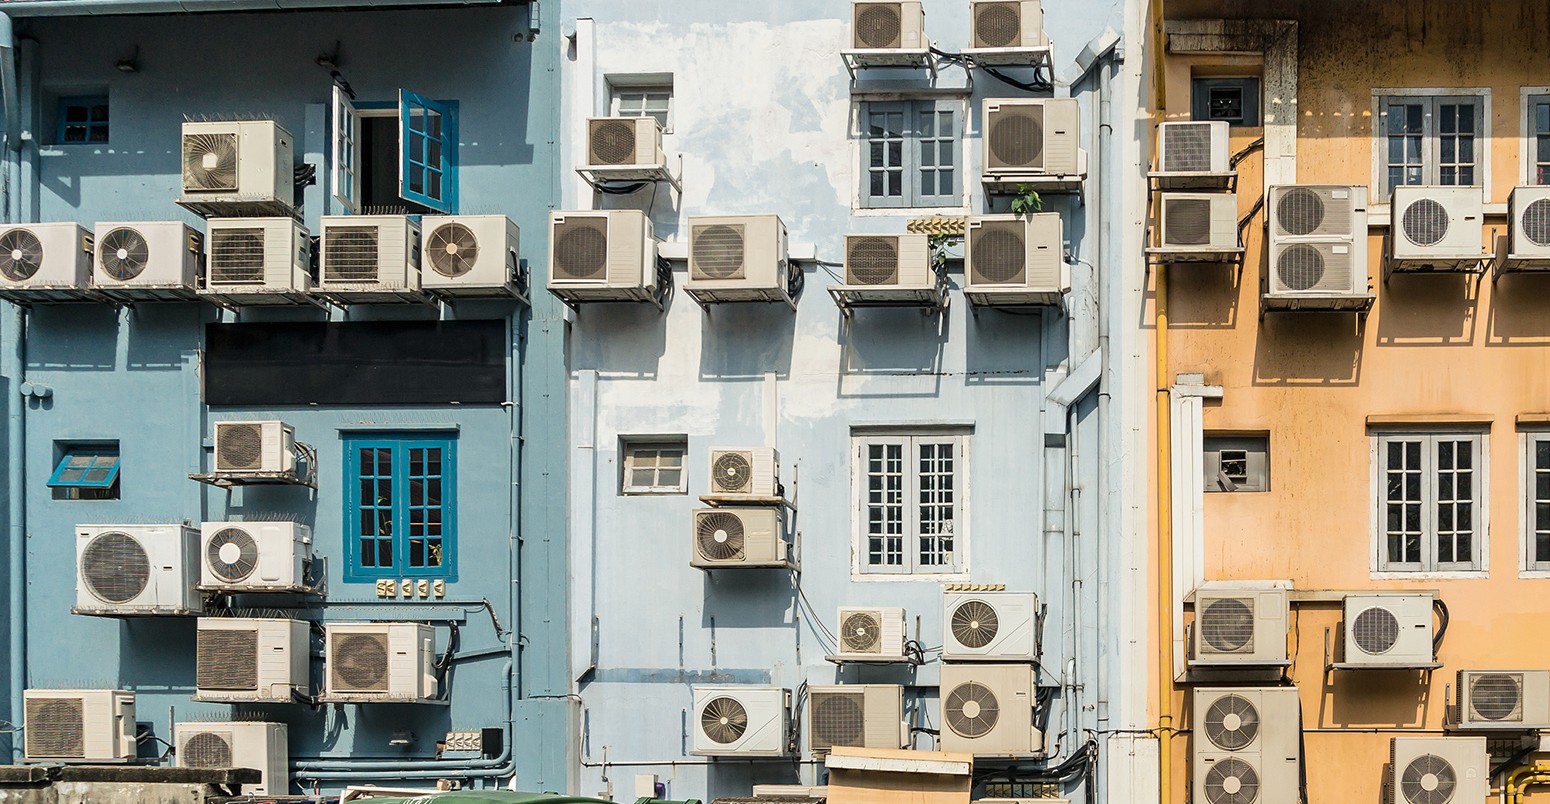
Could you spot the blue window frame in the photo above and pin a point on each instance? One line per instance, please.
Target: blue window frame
(86, 468)
(400, 507)
(83, 119)
(910, 154)
(428, 144)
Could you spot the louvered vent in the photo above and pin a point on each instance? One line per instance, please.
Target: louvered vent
(56, 727)
(998, 24)
(1375, 631)
(240, 447)
(237, 256)
(115, 567)
(1017, 137)
(975, 623)
(1232, 781)
(1300, 266)
(971, 710)
(733, 472)
(839, 718)
(581, 249)
(206, 749)
(1535, 222)
(359, 662)
(1300, 211)
(1495, 697)
(717, 251)
(612, 142)
(862, 632)
(1188, 149)
(21, 254)
(1232, 723)
(999, 253)
(1186, 221)
(878, 25)
(872, 261)
(351, 253)
(227, 659)
(1425, 222)
(1227, 625)
(724, 720)
(1428, 779)
(719, 536)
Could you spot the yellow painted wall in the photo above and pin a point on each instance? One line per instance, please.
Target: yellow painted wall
(1434, 345)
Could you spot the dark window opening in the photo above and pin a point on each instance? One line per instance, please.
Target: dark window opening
(1235, 100)
(379, 167)
(1237, 463)
(85, 471)
(83, 119)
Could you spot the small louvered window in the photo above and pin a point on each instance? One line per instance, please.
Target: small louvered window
(86, 472)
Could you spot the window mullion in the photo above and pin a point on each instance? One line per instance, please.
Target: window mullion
(1431, 152)
(1430, 506)
(401, 508)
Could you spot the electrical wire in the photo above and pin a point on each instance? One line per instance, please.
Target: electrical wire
(1442, 624)
(1256, 145)
(1243, 223)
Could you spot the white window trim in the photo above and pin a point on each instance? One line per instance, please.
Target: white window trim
(1378, 179)
(614, 100)
(858, 519)
(1525, 142)
(1526, 439)
(1376, 518)
(970, 170)
(627, 447)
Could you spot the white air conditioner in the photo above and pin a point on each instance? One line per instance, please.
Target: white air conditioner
(1439, 770)
(1005, 28)
(245, 744)
(990, 626)
(607, 255)
(1530, 221)
(1198, 223)
(150, 260)
(856, 716)
(470, 255)
(888, 25)
(238, 163)
(1247, 745)
(1193, 147)
(1436, 228)
(750, 472)
(889, 263)
(46, 260)
(987, 709)
(386, 662)
(1511, 700)
(629, 143)
(136, 569)
(254, 447)
(739, 537)
(1388, 630)
(79, 725)
(259, 260)
(1318, 241)
(738, 258)
(1015, 259)
(255, 556)
(1240, 626)
(741, 721)
(870, 634)
(251, 660)
(370, 257)
(1031, 137)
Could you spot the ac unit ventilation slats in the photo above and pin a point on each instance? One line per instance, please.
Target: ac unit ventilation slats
(861, 632)
(206, 749)
(452, 250)
(1017, 136)
(1428, 779)
(124, 254)
(1227, 624)
(1188, 149)
(1535, 222)
(21, 255)
(839, 718)
(1425, 222)
(1232, 781)
(237, 255)
(1187, 221)
(351, 253)
(998, 24)
(359, 662)
(227, 659)
(1000, 253)
(581, 249)
(1496, 697)
(719, 536)
(612, 142)
(971, 710)
(879, 25)
(872, 261)
(115, 567)
(724, 720)
(56, 727)
(1375, 630)
(718, 251)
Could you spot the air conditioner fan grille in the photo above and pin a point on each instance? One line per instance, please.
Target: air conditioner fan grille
(613, 142)
(719, 536)
(878, 25)
(351, 253)
(581, 249)
(1425, 222)
(1017, 137)
(1232, 722)
(1535, 222)
(839, 718)
(115, 567)
(975, 623)
(998, 24)
(1497, 697)
(227, 659)
(124, 254)
(1187, 221)
(21, 254)
(732, 472)
(206, 749)
(453, 250)
(232, 554)
(240, 447)
(1428, 779)
(236, 255)
(872, 261)
(971, 710)
(56, 727)
(210, 162)
(999, 253)
(359, 662)
(1232, 781)
(1300, 266)
(1300, 211)
(1187, 148)
(717, 251)
(724, 720)
(861, 632)
(1375, 630)
(1227, 625)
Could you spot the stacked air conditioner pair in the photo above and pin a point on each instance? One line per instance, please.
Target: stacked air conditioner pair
(1201, 225)
(990, 642)
(746, 526)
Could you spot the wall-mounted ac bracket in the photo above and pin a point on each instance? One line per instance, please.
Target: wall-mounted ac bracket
(306, 473)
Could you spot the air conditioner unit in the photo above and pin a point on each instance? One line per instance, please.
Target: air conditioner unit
(1530, 228)
(46, 261)
(255, 556)
(1015, 259)
(1007, 28)
(1247, 745)
(1512, 700)
(820, 791)
(751, 472)
(741, 721)
(987, 709)
(1436, 228)
(259, 260)
(729, 538)
(136, 569)
(254, 447)
(79, 725)
(245, 164)
(1388, 630)
(1318, 241)
(471, 255)
(379, 662)
(1198, 223)
(370, 257)
(607, 255)
(1439, 770)
(1031, 137)
(247, 744)
(738, 258)
(1193, 147)
(899, 264)
(888, 25)
(251, 660)
(150, 260)
(870, 634)
(1240, 627)
(856, 716)
(630, 143)
(990, 626)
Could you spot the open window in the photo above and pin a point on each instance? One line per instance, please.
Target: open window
(85, 472)
(388, 155)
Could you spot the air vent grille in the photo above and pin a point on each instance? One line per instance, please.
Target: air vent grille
(975, 623)
(351, 253)
(971, 710)
(210, 162)
(115, 567)
(1300, 211)
(1232, 781)
(56, 727)
(1017, 137)
(359, 662)
(724, 720)
(1375, 631)
(581, 249)
(452, 250)
(21, 254)
(879, 25)
(999, 253)
(124, 254)
(1187, 221)
(733, 472)
(1535, 222)
(1227, 625)
(839, 718)
(612, 142)
(206, 749)
(998, 24)
(1496, 697)
(1232, 722)
(872, 261)
(719, 536)
(227, 659)
(1425, 222)
(717, 251)
(861, 632)
(241, 447)
(1428, 779)
(237, 256)
(1188, 149)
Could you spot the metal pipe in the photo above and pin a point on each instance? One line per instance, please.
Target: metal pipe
(8, 91)
(73, 8)
(1164, 549)
(15, 414)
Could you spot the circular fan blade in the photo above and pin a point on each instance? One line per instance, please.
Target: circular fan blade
(719, 535)
(732, 471)
(21, 255)
(724, 720)
(123, 254)
(232, 554)
(210, 161)
(453, 249)
(975, 624)
(860, 632)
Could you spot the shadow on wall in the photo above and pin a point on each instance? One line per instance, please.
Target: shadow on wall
(72, 337)
(1002, 346)
(1516, 316)
(636, 338)
(745, 341)
(1374, 698)
(747, 598)
(656, 199)
(891, 343)
(1428, 310)
(1202, 296)
(273, 504)
(1309, 349)
(160, 334)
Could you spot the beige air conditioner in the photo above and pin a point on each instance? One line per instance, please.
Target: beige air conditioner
(748, 472)
(1529, 220)
(1032, 137)
(258, 260)
(1247, 745)
(1003, 31)
(987, 710)
(1388, 630)
(149, 261)
(1198, 224)
(1193, 147)
(137, 570)
(730, 721)
(379, 662)
(255, 660)
(884, 263)
(255, 556)
(739, 258)
(870, 634)
(624, 143)
(79, 726)
(1015, 260)
(990, 626)
(1240, 627)
(45, 261)
(1318, 242)
(468, 256)
(856, 716)
(246, 744)
(739, 537)
(254, 447)
(1503, 700)
(370, 258)
(238, 166)
(1438, 770)
(604, 256)
(888, 25)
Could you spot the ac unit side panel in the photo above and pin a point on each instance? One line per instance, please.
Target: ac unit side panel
(1530, 219)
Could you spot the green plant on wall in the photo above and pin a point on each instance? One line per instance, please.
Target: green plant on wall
(1027, 200)
(940, 243)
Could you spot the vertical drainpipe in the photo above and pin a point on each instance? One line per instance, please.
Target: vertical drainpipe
(1100, 461)
(15, 430)
(1164, 435)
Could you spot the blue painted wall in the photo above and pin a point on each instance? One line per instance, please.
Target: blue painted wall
(763, 122)
(133, 375)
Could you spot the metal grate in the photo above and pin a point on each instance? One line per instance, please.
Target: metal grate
(237, 256)
(581, 249)
(717, 251)
(1375, 630)
(240, 447)
(1428, 779)
(999, 253)
(1232, 722)
(1496, 697)
(232, 554)
(56, 727)
(1232, 781)
(861, 632)
(998, 24)
(612, 142)
(1300, 211)
(1536, 222)
(1188, 148)
(1227, 625)
(351, 254)
(839, 718)
(359, 662)
(878, 25)
(975, 624)
(1425, 222)
(1186, 222)
(227, 659)
(718, 535)
(206, 749)
(123, 254)
(872, 261)
(1017, 137)
(971, 710)
(1300, 266)
(115, 568)
(724, 720)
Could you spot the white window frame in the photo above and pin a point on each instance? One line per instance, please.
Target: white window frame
(628, 448)
(1380, 566)
(970, 167)
(1379, 178)
(641, 83)
(911, 440)
(1528, 96)
(1527, 469)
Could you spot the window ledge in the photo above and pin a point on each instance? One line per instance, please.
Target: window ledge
(1423, 419)
(1379, 216)
(1400, 575)
(1522, 573)
(904, 577)
(399, 427)
(653, 493)
(1533, 419)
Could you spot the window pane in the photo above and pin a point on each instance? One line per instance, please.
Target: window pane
(1403, 502)
(885, 505)
(936, 505)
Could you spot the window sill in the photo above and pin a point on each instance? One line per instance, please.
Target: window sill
(1523, 573)
(904, 577)
(910, 212)
(653, 493)
(1400, 575)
